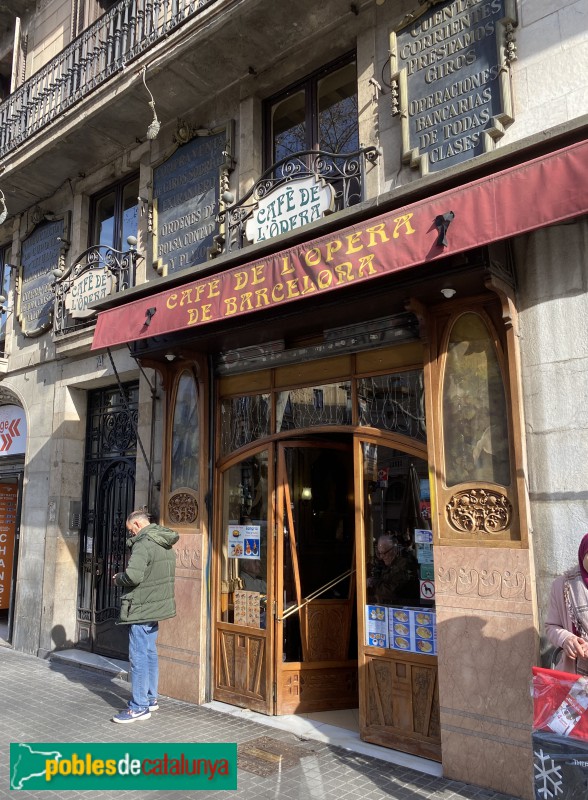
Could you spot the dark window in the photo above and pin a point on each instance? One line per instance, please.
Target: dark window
(4, 289)
(317, 113)
(114, 215)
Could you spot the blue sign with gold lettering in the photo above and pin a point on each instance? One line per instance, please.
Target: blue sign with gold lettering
(185, 193)
(452, 80)
(40, 254)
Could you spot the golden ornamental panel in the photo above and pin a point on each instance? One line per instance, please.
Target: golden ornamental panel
(479, 511)
(182, 509)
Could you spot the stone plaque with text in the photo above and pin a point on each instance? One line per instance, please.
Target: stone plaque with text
(41, 253)
(186, 199)
(451, 80)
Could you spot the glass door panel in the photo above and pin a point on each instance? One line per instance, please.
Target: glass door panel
(399, 704)
(244, 559)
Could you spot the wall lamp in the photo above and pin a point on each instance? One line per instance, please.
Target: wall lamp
(448, 293)
(149, 315)
(170, 357)
(155, 124)
(442, 223)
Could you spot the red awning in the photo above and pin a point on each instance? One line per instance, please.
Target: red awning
(524, 198)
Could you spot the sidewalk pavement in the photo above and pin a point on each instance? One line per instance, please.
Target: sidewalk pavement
(51, 701)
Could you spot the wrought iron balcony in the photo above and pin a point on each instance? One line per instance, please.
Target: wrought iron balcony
(344, 172)
(104, 49)
(96, 273)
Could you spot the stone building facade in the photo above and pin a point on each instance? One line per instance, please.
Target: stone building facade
(222, 223)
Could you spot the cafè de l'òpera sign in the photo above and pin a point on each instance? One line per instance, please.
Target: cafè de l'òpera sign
(291, 205)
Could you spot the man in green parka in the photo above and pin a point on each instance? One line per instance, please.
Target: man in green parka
(148, 598)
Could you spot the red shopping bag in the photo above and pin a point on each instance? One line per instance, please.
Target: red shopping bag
(560, 703)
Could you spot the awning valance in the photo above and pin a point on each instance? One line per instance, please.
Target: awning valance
(524, 198)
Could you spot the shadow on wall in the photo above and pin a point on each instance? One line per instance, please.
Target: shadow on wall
(59, 638)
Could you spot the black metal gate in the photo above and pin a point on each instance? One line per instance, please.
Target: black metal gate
(109, 491)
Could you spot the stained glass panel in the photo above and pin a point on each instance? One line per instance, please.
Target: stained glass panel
(475, 426)
(185, 436)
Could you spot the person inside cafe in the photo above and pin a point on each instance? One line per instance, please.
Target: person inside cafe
(393, 578)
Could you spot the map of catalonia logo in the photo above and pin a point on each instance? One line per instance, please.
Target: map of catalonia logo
(171, 765)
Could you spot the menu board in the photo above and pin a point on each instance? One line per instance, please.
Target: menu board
(247, 608)
(410, 629)
(8, 499)
(413, 630)
(376, 626)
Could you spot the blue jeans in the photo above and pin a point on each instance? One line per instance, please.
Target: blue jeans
(144, 664)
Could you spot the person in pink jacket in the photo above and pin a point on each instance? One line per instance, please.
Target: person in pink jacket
(566, 624)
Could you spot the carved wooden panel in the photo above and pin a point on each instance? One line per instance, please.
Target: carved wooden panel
(479, 511)
(240, 668)
(325, 628)
(182, 508)
(304, 689)
(402, 705)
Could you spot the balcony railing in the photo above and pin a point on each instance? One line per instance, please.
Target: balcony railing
(118, 37)
(344, 172)
(96, 273)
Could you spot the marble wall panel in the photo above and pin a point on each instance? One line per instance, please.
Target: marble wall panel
(487, 644)
(181, 639)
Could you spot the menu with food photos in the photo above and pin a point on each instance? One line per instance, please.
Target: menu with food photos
(412, 630)
(376, 627)
(243, 541)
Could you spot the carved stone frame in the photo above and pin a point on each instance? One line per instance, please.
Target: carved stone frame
(506, 54)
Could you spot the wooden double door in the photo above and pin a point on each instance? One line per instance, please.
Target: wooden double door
(299, 521)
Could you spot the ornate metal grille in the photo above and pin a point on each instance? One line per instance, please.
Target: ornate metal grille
(101, 51)
(394, 403)
(243, 420)
(98, 272)
(109, 490)
(344, 172)
(314, 405)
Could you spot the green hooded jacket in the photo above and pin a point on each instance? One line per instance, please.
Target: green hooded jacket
(149, 577)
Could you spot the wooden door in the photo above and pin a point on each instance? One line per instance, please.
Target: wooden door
(316, 631)
(399, 696)
(243, 593)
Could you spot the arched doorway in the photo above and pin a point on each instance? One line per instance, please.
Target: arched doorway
(13, 440)
(302, 580)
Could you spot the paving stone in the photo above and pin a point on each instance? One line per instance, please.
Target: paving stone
(57, 702)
